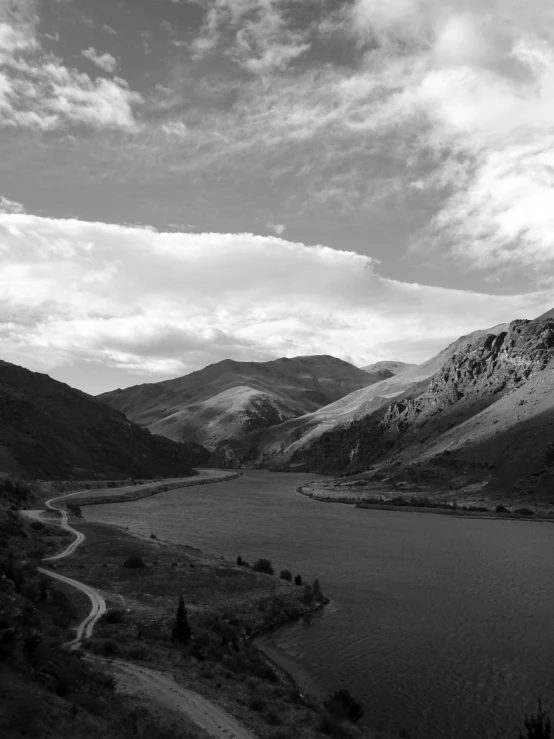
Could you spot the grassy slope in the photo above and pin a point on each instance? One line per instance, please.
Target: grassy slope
(230, 398)
(49, 430)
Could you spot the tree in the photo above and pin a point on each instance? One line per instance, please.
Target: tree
(239, 560)
(316, 590)
(344, 706)
(298, 580)
(537, 727)
(264, 565)
(181, 628)
(286, 575)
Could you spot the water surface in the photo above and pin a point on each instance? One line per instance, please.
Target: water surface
(443, 626)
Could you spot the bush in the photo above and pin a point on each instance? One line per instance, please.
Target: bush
(283, 733)
(264, 565)
(258, 704)
(134, 561)
(537, 727)
(524, 512)
(344, 706)
(113, 616)
(332, 726)
(273, 717)
(501, 509)
(37, 525)
(286, 575)
(298, 580)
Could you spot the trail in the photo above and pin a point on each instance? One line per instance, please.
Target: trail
(205, 714)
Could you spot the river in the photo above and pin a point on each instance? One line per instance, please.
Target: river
(442, 626)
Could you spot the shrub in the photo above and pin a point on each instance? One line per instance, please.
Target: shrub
(273, 717)
(283, 733)
(239, 560)
(113, 616)
(344, 706)
(153, 536)
(264, 565)
(258, 704)
(298, 580)
(286, 575)
(332, 726)
(501, 509)
(524, 512)
(537, 727)
(134, 561)
(37, 525)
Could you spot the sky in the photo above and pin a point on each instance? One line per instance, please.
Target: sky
(184, 182)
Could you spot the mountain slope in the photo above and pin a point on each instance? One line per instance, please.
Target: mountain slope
(487, 415)
(278, 445)
(387, 368)
(49, 430)
(230, 399)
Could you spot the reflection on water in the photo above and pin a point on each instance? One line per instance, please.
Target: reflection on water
(440, 625)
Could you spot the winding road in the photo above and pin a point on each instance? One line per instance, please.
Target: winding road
(133, 678)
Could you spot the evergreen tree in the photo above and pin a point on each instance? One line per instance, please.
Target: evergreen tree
(181, 628)
(298, 580)
(316, 589)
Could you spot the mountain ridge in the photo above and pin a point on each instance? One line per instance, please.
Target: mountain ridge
(230, 399)
(49, 430)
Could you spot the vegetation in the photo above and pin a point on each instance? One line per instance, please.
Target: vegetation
(538, 726)
(286, 575)
(263, 565)
(344, 706)
(298, 580)
(134, 561)
(181, 628)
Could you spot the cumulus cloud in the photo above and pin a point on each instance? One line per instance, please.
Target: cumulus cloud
(105, 61)
(38, 91)
(141, 300)
(10, 206)
(278, 228)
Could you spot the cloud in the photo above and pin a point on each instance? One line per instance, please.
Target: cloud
(38, 91)
(278, 228)
(256, 34)
(140, 300)
(105, 61)
(10, 206)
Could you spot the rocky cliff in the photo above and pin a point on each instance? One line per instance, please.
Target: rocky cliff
(489, 409)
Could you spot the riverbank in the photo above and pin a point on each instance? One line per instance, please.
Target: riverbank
(462, 509)
(228, 605)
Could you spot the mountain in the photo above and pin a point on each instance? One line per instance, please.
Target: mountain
(230, 399)
(278, 445)
(386, 369)
(483, 421)
(49, 430)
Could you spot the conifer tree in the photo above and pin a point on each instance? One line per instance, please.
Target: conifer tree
(181, 628)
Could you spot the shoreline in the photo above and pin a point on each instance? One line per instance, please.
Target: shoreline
(148, 492)
(290, 675)
(459, 513)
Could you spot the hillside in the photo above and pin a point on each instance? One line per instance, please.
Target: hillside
(49, 430)
(386, 369)
(486, 419)
(229, 399)
(279, 445)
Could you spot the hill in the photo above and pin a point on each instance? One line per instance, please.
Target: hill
(483, 424)
(282, 443)
(387, 368)
(229, 399)
(49, 430)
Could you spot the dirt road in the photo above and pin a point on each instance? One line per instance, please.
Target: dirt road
(131, 677)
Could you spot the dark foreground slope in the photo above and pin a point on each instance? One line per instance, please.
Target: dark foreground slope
(487, 416)
(49, 430)
(230, 399)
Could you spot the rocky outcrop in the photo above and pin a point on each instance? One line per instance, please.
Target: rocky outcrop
(478, 375)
